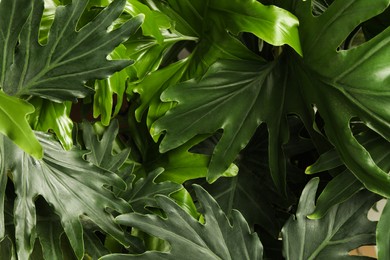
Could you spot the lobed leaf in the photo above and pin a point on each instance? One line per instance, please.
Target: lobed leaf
(58, 69)
(72, 186)
(218, 238)
(343, 229)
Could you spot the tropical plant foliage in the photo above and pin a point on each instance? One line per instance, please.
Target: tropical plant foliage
(175, 129)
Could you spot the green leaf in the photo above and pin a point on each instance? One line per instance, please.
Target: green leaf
(142, 193)
(101, 149)
(14, 125)
(106, 89)
(383, 234)
(154, 20)
(205, 106)
(344, 84)
(49, 115)
(270, 23)
(344, 185)
(343, 229)
(59, 69)
(218, 238)
(338, 190)
(72, 186)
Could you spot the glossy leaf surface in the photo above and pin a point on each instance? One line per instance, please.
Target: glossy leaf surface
(344, 228)
(218, 238)
(58, 69)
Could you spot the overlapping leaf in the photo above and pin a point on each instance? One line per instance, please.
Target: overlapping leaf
(344, 185)
(59, 69)
(214, 42)
(343, 229)
(49, 115)
(205, 106)
(347, 83)
(71, 185)
(218, 238)
(13, 124)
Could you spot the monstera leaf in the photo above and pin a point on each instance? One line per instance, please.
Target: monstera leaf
(343, 229)
(58, 69)
(217, 238)
(72, 186)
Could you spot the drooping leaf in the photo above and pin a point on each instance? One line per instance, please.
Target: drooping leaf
(344, 84)
(14, 125)
(344, 228)
(383, 234)
(49, 115)
(218, 238)
(59, 69)
(72, 186)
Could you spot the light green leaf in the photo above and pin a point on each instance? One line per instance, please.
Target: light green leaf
(72, 186)
(14, 125)
(49, 115)
(218, 238)
(343, 229)
(383, 234)
(59, 69)
(270, 23)
(106, 89)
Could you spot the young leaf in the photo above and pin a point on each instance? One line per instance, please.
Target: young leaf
(343, 229)
(14, 125)
(59, 69)
(71, 185)
(49, 115)
(218, 238)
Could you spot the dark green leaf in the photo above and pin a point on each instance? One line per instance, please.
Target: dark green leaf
(383, 234)
(72, 186)
(344, 84)
(59, 69)
(343, 229)
(218, 238)
(209, 101)
(143, 191)
(101, 149)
